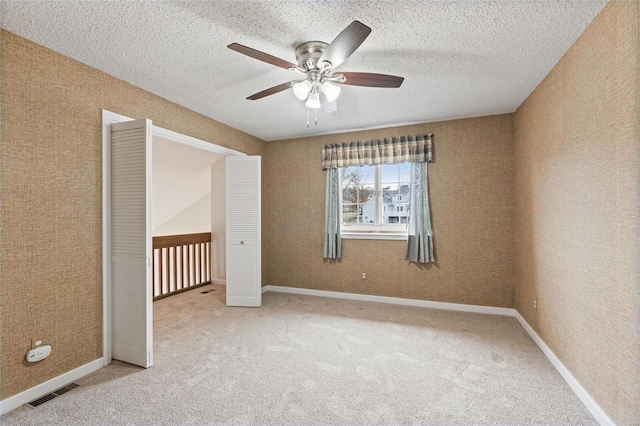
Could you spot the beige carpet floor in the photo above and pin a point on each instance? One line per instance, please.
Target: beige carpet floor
(302, 360)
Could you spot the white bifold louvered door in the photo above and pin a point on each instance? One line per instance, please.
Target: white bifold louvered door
(131, 274)
(244, 272)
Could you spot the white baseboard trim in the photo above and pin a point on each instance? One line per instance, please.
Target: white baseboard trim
(49, 386)
(596, 411)
(218, 281)
(393, 300)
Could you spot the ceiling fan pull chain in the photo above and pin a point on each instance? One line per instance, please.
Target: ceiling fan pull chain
(315, 115)
(307, 116)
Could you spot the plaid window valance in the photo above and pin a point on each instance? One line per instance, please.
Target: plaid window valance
(403, 149)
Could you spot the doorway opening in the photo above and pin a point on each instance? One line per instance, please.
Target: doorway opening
(188, 219)
(127, 230)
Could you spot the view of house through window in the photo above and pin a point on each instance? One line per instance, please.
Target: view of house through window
(375, 195)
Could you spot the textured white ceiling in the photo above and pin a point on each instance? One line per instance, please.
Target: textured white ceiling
(459, 58)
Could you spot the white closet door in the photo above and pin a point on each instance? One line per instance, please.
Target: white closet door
(131, 298)
(244, 272)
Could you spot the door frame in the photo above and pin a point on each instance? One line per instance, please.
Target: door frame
(109, 118)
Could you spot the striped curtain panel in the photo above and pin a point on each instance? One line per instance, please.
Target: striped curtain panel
(419, 238)
(332, 240)
(404, 149)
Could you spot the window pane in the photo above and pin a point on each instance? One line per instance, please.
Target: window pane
(395, 192)
(404, 171)
(350, 213)
(358, 190)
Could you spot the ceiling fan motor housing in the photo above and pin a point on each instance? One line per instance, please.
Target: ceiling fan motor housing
(308, 54)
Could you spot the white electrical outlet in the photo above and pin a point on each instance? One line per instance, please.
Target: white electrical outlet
(364, 275)
(535, 304)
(38, 353)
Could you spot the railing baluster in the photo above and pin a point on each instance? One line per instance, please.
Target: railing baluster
(184, 270)
(165, 273)
(200, 263)
(153, 272)
(193, 265)
(206, 262)
(178, 266)
(168, 263)
(210, 262)
(184, 267)
(175, 268)
(186, 264)
(160, 269)
(189, 266)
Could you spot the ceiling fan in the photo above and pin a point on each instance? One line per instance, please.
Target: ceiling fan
(317, 62)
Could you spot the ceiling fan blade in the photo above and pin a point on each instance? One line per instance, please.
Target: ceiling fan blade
(371, 80)
(345, 43)
(261, 56)
(270, 91)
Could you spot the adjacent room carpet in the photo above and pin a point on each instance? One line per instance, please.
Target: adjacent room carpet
(302, 360)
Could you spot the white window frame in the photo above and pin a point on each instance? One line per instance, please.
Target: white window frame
(378, 230)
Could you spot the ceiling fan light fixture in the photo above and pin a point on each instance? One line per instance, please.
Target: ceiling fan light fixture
(316, 61)
(331, 90)
(313, 101)
(301, 89)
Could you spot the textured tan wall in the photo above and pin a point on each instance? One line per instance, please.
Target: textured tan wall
(51, 201)
(471, 193)
(576, 182)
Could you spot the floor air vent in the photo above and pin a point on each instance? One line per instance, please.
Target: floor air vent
(66, 388)
(208, 291)
(54, 394)
(39, 401)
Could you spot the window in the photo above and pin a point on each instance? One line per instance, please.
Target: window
(375, 201)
